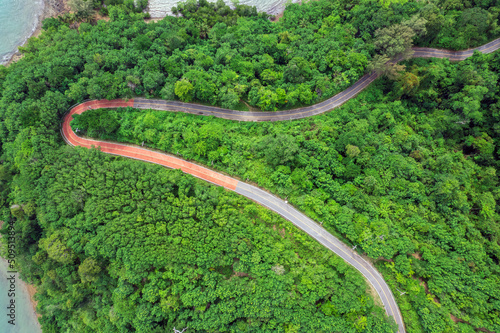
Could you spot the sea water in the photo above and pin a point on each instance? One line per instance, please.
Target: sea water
(161, 8)
(18, 20)
(25, 318)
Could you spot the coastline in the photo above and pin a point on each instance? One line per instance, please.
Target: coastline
(50, 8)
(27, 295)
(277, 9)
(54, 8)
(29, 290)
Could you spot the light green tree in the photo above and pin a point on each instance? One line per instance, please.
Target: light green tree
(88, 270)
(81, 7)
(184, 90)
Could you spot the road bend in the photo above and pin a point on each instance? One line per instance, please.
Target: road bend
(308, 111)
(262, 197)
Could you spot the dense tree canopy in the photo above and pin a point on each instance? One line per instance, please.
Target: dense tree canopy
(124, 246)
(407, 171)
(410, 178)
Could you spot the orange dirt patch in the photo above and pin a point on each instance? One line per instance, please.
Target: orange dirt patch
(386, 260)
(98, 16)
(152, 20)
(417, 255)
(32, 291)
(455, 319)
(424, 284)
(277, 17)
(458, 320)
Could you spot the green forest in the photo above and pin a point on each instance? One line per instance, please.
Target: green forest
(139, 248)
(417, 170)
(406, 171)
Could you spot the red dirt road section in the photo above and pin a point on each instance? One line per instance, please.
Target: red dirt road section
(135, 152)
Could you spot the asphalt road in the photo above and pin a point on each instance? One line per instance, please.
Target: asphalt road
(264, 198)
(308, 111)
(329, 241)
(252, 192)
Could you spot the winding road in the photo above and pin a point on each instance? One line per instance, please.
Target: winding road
(262, 197)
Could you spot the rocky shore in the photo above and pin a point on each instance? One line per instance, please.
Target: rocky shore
(51, 8)
(158, 9)
(28, 291)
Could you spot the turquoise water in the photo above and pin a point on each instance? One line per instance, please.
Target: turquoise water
(25, 318)
(18, 20)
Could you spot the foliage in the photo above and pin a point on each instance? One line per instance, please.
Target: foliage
(407, 171)
(211, 55)
(82, 7)
(139, 248)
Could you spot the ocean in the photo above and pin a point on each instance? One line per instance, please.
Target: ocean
(18, 20)
(25, 318)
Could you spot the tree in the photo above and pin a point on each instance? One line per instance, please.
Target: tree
(474, 23)
(230, 99)
(88, 270)
(352, 151)
(153, 80)
(435, 20)
(468, 102)
(387, 3)
(143, 43)
(298, 70)
(382, 65)
(184, 90)
(408, 82)
(82, 8)
(417, 24)
(279, 149)
(57, 249)
(395, 42)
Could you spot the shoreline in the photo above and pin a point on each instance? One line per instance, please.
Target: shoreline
(277, 9)
(54, 8)
(29, 289)
(50, 8)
